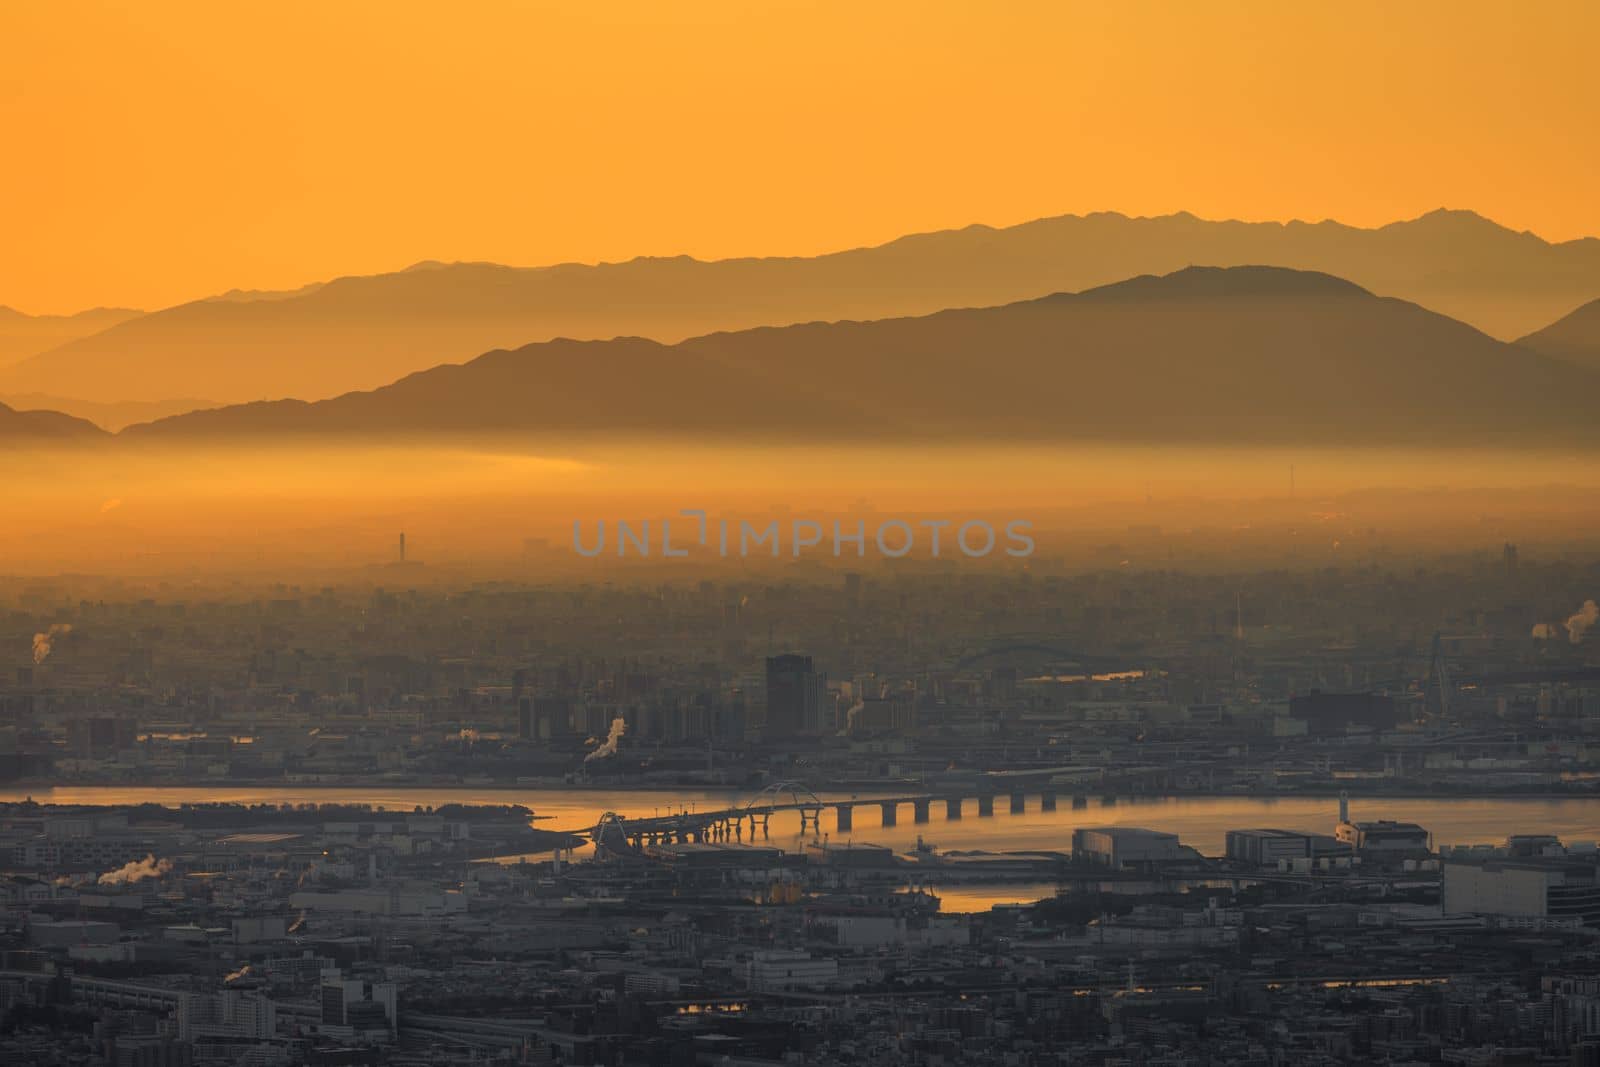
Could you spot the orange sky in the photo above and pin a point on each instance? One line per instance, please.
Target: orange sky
(158, 152)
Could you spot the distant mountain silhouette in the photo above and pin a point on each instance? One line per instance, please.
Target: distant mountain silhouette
(22, 335)
(109, 416)
(45, 427)
(360, 332)
(1244, 354)
(1575, 337)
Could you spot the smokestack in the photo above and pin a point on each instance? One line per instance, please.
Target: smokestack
(402, 546)
(1344, 806)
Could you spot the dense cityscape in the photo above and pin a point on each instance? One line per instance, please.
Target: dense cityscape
(1042, 814)
(716, 534)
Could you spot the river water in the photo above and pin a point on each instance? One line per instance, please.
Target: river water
(1201, 822)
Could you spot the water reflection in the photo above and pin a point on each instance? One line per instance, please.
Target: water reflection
(1201, 822)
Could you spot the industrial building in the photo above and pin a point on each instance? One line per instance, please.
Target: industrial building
(1336, 714)
(1383, 835)
(1555, 890)
(1127, 846)
(1380, 835)
(1267, 848)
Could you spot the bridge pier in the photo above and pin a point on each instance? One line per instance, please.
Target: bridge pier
(952, 807)
(919, 810)
(846, 817)
(1019, 803)
(986, 804)
(1047, 801)
(891, 812)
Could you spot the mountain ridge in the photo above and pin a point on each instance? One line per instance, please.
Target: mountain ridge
(1237, 353)
(359, 331)
(23, 336)
(38, 427)
(1574, 337)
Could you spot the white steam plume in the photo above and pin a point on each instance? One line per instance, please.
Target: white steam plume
(42, 641)
(608, 747)
(1579, 624)
(149, 867)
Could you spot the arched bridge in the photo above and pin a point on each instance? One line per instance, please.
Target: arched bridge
(617, 834)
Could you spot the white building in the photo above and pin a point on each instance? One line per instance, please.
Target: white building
(232, 1013)
(781, 969)
(1127, 846)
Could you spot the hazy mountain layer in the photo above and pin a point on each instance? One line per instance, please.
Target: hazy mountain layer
(1248, 354)
(22, 335)
(360, 332)
(44, 427)
(1576, 337)
(108, 416)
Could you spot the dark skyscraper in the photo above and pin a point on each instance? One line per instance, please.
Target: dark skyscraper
(794, 696)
